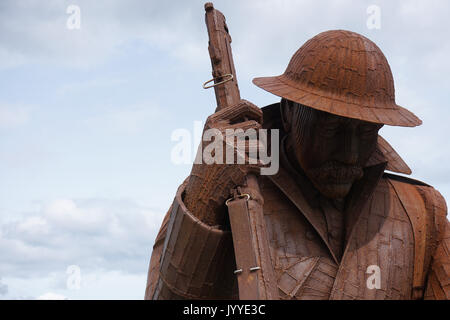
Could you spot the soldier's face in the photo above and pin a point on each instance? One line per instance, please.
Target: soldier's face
(333, 150)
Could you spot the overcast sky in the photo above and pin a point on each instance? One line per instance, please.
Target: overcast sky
(86, 117)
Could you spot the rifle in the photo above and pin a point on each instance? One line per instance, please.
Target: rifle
(254, 268)
(223, 72)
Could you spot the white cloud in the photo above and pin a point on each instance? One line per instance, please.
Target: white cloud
(36, 226)
(13, 115)
(111, 284)
(95, 284)
(3, 288)
(10, 59)
(51, 296)
(36, 33)
(91, 84)
(110, 240)
(129, 119)
(91, 233)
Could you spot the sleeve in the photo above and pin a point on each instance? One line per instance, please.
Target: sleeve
(153, 269)
(438, 285)
(190, 259)
(438, 282)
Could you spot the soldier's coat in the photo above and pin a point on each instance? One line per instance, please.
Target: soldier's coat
(394, 223)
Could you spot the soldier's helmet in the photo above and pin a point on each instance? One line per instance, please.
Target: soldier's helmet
(343, 73)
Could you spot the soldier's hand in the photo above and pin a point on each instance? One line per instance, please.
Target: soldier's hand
(209, 185)
(244, 115)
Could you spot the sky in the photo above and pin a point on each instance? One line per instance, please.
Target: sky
(87, 117)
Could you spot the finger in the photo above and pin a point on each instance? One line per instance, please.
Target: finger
(242, 111)
(248, 111)
(245, 125)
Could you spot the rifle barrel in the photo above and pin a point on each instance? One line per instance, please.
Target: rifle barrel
(219, 47)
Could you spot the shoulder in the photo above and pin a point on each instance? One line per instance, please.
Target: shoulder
(427, 211)
(403, 179)
(429, 194)
(415, 193)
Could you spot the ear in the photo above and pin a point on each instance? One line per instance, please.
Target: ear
(286, 114)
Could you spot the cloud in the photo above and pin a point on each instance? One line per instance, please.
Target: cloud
(91, 233)
(12, 116)
(412, 31)
(51, 296)
(95, 284)
(108, 240)
(129, 120)
(34, 33)
(3, 288)
(91, 84)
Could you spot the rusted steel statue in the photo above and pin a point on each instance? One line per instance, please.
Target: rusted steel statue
(331, 217)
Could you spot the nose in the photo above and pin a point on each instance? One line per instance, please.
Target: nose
(350, 147)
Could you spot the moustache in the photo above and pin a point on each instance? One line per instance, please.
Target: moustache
(336, 172)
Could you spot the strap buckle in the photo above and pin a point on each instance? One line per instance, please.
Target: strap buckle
(250, 269)
(239, 196)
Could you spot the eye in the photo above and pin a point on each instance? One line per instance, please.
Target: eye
(369, 130)
(330, 129)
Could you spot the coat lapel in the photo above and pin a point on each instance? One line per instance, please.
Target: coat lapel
(361, 191)
(290, 188)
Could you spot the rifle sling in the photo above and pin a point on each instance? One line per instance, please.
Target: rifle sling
(243, 249)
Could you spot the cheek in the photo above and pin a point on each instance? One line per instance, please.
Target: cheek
(367, 147)
(315, 151)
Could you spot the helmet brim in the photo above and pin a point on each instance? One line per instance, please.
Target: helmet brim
(385, 113)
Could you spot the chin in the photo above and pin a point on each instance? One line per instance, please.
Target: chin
(335, 190)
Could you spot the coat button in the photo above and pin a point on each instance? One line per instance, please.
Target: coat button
(309, 235)
(334, 234)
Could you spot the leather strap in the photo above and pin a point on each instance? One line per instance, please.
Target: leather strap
(415, 208)
(251, 245)
(243, 249)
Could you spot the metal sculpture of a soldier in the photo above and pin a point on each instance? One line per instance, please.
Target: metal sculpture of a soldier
(330, 216)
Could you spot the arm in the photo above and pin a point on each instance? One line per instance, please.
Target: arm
(153, 269)
(438, 280)
(190, 259)
(438, 285)
(193, 254)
